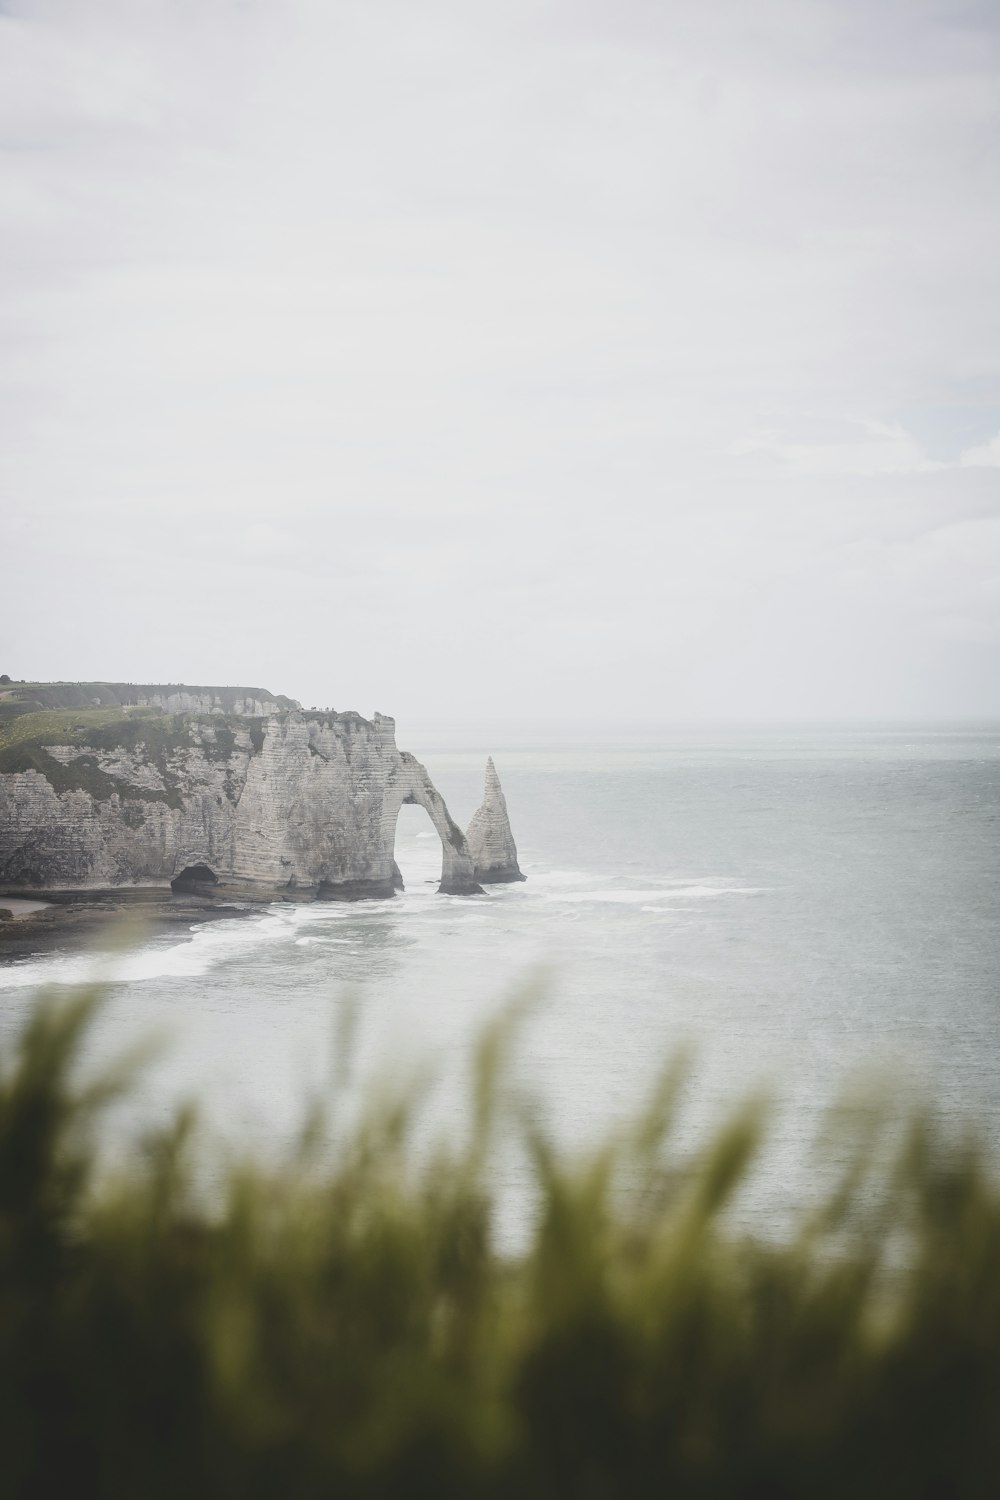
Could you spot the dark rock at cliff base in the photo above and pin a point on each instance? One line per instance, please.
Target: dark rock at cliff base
(500, 875)
(103, 921)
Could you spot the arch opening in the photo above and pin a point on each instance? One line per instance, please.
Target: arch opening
(417, 853)
(195, 880)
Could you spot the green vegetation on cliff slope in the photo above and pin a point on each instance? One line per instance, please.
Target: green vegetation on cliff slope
(61, 726)
(125, 694)
(345, 1327)
(154, 736)
(104, 716)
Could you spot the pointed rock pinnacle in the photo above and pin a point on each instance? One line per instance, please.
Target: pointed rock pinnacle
(490, 840)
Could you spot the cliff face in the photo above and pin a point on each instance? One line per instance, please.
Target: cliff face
(176, 699)
(230, 800)
(491, 842)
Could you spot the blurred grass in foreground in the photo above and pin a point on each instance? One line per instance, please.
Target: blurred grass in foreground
(344, 1327)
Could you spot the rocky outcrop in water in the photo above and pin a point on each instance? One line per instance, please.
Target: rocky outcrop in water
(226, 801)
(491, 842)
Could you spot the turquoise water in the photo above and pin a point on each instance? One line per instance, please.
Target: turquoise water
(803, 908)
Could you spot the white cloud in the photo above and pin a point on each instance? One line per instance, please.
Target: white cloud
(262, 540)
(475, 299)
(870, 448)
(984, 455)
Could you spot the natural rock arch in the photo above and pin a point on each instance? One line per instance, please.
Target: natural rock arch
(411, 784)
(284, 806)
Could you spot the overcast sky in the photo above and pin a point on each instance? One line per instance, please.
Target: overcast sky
(512, 360)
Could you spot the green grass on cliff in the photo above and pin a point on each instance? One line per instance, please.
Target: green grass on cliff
(124, 694)
(57, 726)
(105, 715)
(344, 1326)
(147, 731)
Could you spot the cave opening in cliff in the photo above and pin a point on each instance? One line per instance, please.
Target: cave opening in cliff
(417, 849)
(193, 879)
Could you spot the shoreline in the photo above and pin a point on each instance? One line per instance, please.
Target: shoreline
(85, 922)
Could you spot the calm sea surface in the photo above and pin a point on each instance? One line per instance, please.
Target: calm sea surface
(803, 908)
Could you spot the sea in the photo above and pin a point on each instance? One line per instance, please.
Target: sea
(810, 916)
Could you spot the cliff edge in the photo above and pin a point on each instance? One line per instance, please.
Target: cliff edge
(228, 792)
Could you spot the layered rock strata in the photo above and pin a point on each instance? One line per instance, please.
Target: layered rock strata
(292, 804)
(491, 842)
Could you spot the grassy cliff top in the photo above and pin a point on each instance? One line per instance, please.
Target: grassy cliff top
(111, 716)
(65, 726)
(124, 694)
(149, 732)
(67, 713)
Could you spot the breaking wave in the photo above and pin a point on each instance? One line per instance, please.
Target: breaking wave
(644, 898)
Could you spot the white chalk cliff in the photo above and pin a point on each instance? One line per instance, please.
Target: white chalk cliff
(490, 840)
(287, 803)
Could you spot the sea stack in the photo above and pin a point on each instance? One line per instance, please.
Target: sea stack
(489, 838)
